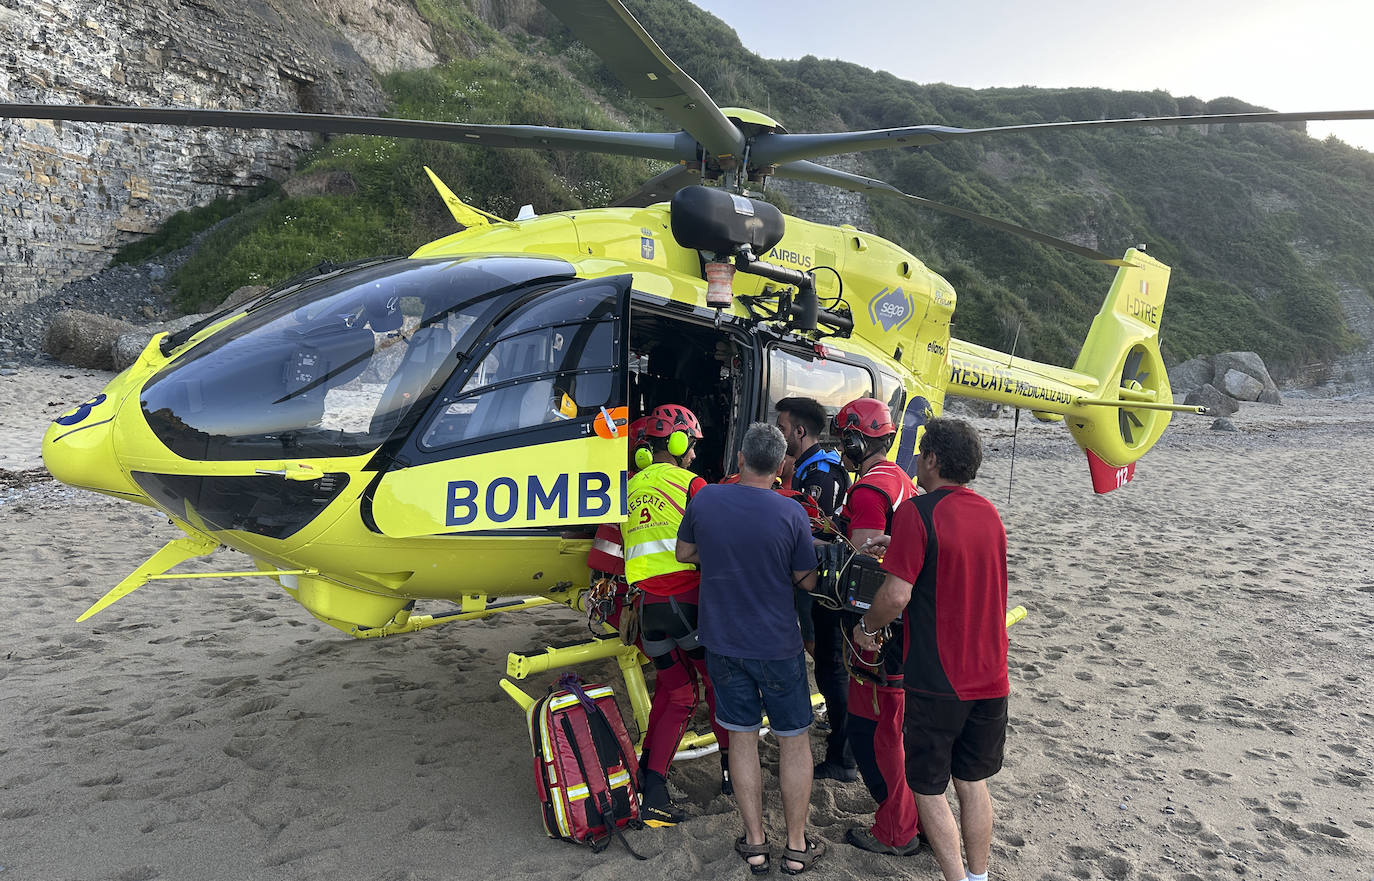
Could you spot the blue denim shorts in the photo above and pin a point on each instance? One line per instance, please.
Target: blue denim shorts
(747, 688)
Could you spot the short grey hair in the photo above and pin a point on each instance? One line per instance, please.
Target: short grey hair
(763, 447)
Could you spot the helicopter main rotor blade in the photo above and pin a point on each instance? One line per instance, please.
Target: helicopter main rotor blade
(608, 29)
(820, 174)
(649, 145)
(660, 188)
(776, 148)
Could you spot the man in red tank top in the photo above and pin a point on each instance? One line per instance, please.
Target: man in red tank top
(947, 577)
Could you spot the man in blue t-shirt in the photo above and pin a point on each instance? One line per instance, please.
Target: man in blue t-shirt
(754, 549)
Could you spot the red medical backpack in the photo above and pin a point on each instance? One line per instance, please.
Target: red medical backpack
(585, 770)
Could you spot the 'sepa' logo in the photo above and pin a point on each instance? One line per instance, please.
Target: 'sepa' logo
(891, 308)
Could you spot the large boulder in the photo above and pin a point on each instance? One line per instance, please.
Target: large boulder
(84, 339)
(1248, 363)
(130, 345)
(1191, 374)
(1241, 386)
(1213, 399)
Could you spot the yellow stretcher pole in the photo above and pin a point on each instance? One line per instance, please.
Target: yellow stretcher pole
(522, 666)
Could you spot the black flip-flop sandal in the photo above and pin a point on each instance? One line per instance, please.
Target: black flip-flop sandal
(747, 850)
(814, 851)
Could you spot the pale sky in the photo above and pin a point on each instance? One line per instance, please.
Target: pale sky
(1287, 55)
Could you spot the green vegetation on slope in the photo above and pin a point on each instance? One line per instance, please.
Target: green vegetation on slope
(395, 208)
(1261, 223)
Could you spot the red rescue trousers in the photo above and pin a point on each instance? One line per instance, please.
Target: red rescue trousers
(875, 735)
(675, 699)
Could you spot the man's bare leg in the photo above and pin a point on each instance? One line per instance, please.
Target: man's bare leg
(975, 820)
(747, 777)
(937, 821)
(794, 772)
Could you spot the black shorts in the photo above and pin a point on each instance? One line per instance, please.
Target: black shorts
(944, 738)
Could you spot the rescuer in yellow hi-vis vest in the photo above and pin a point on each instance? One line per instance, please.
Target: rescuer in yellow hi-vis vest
(657, 497)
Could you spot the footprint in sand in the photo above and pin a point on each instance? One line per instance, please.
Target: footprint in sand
(1205, 777)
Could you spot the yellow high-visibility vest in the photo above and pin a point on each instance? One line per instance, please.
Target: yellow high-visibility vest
(657, 498)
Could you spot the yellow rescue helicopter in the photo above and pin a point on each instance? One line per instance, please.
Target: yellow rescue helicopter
(452, 425)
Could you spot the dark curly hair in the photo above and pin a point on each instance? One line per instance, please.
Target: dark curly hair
(807, 412)
(958, 452)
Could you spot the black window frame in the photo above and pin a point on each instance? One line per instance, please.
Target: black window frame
(835, 355)
(413, 452)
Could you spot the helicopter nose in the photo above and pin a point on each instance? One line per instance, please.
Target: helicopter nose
(78, 448)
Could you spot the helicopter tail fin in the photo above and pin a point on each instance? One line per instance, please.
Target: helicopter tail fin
(1122, 354)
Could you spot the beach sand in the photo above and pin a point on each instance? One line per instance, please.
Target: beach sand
(1189, 692)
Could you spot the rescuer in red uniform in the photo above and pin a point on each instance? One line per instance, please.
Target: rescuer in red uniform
(656, 498)
(877, 700)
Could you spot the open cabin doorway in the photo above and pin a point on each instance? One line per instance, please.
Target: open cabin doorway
(675, 360)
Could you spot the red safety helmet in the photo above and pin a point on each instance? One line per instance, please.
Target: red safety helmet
(868, 416)
(668, 418)
(635, 430)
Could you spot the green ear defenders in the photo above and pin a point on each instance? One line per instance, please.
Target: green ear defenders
(644, 457)
(678, 442)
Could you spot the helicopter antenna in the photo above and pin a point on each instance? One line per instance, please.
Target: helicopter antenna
(1016, 419)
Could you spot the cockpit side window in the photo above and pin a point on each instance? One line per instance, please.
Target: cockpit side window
(831, 382)
(552, 363)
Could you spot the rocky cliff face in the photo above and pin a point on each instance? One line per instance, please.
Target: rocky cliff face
(830, 205)
(71, 192)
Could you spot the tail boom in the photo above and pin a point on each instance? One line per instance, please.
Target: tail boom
(1116, 399)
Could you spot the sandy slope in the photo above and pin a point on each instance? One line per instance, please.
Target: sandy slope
(1189, 692)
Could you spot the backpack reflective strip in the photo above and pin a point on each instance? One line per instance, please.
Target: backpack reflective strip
(610, 549)
(568, 700)
(556, 796)
(617, 780)
(548, 752)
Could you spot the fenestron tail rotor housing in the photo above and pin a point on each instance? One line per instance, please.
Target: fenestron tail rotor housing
(1141, 372)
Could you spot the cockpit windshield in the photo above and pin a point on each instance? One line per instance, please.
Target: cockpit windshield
(332, 369)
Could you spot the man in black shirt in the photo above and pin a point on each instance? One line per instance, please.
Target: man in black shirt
(819, 474)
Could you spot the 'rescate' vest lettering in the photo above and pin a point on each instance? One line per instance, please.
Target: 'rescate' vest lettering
(656, 499)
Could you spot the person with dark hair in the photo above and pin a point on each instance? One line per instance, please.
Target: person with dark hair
(876, 701)
(656, 497)
(754, 548)
(819, 474)
(947, 577)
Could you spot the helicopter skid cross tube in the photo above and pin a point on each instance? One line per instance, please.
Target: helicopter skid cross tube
(404, 622)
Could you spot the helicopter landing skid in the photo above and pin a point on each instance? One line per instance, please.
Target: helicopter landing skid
(473, 607)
